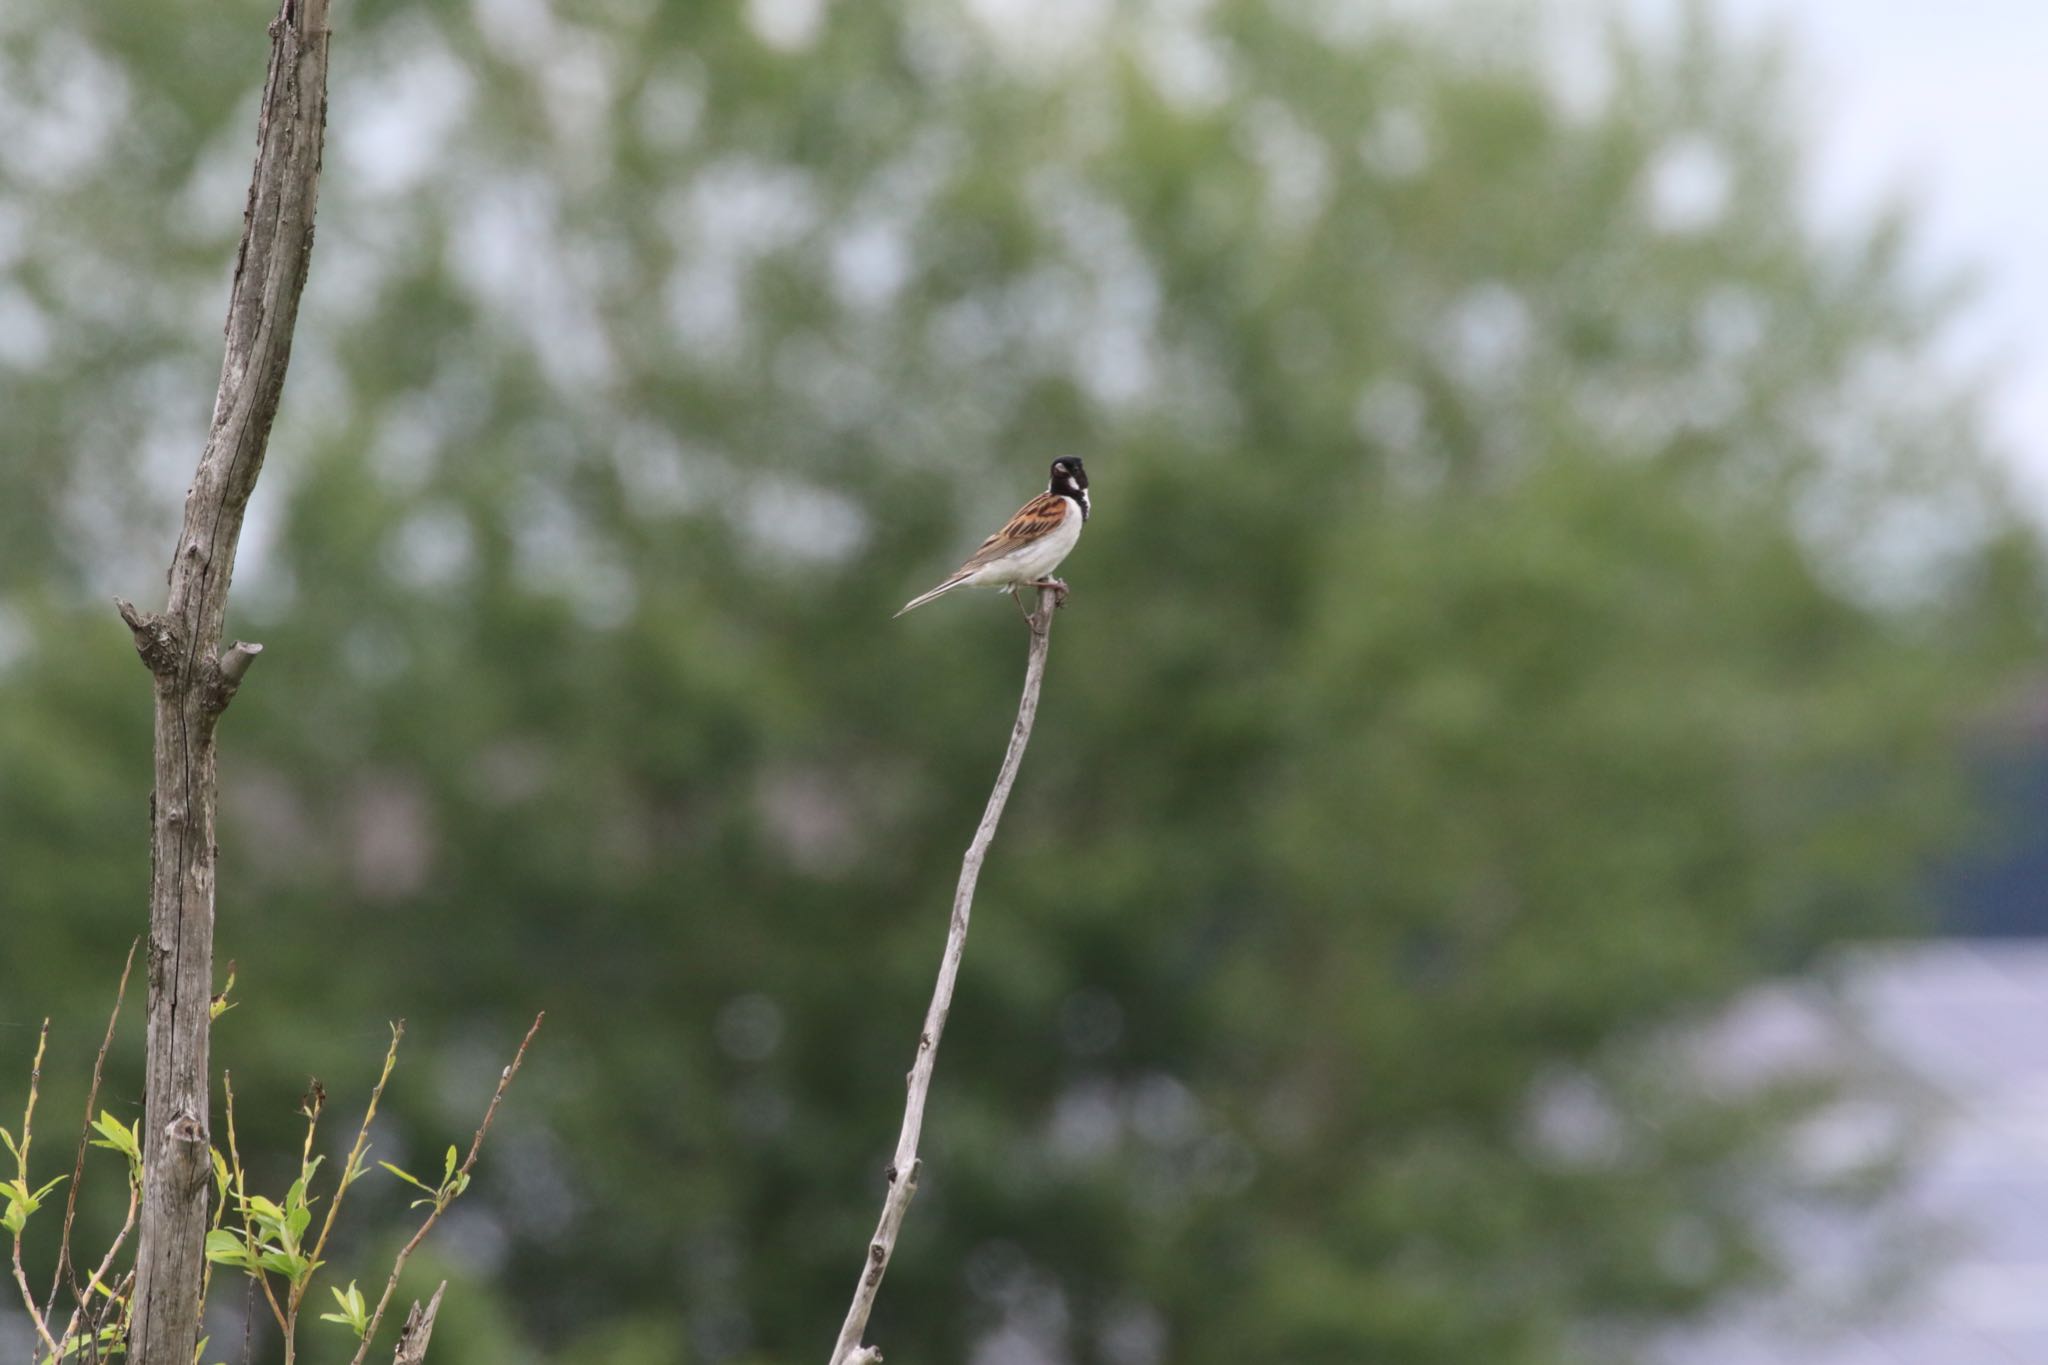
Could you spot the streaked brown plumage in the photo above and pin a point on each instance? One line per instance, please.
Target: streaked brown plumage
(1031, 544)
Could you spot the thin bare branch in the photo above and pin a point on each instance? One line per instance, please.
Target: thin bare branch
(65, 1270)
(295, 1291)
(91, 1337)
(350, 1170)
(296, 1295)
(452, 1189)
(28, 1298)
(904, 1167)
(241, 1189)
(83, 1316)
(28, 1125)
(220, 1211)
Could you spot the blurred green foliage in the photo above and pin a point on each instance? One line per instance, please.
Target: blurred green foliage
(1538, 587)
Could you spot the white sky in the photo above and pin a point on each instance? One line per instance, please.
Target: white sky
(1946, 104)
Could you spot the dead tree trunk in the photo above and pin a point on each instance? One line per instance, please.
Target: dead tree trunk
(195, 680)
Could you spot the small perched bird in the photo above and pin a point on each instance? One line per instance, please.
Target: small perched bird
(1031, 544)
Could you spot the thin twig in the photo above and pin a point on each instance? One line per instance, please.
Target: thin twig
(295, 1289)
(92, 1338)
(460, 1178)
(82, 1313)
(220, 1209)
(296, 1295)
(106, 1265)
(227, 1085)
(350, 1171)
(28, 1122)
(28, 1298)
(903, 1168)
(65, 1270)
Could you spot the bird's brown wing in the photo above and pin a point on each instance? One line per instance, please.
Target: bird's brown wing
(1039, 517)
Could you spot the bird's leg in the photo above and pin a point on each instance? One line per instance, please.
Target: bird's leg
(1059, 590)
(1020, 602)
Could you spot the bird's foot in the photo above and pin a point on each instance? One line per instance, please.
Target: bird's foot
(1059, 590)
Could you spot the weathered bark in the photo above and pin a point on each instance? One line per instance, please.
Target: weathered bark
(195, 682)
(904, 1167)
(418, 1330)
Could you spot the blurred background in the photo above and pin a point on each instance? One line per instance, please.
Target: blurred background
(1535, 823)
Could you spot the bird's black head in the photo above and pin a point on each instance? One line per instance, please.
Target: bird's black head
(1069, 479)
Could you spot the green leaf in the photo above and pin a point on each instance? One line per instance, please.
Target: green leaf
(221, 1004)
(8, 1138)
(107, 1339)
(228, 1248)
(116, 1136)
(20, 1203)
(298, 1210)
(407, 1177)
(353, 1314)
(449, 1169)
(285, 1263)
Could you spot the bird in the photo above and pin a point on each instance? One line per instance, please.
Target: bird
(1030, 545)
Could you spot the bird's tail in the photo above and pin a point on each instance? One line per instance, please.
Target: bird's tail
(914, 603)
